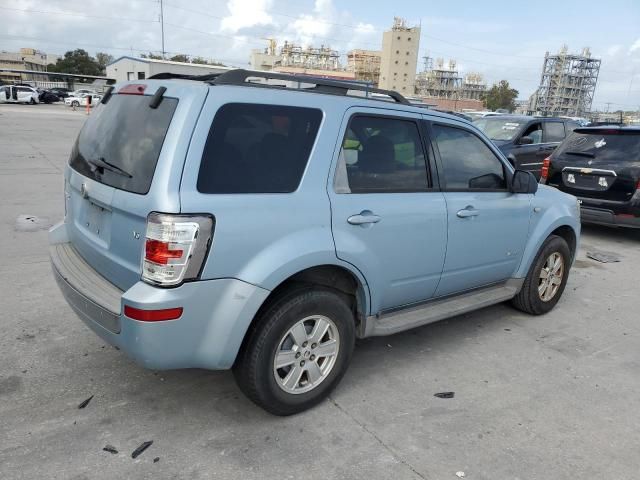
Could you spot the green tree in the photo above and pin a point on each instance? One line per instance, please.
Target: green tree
(500, 95)
(77, 61)
(151, 55)
(103, 60)
(181, 57)
(204, 61)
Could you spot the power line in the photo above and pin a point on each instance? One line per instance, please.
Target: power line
(80, 15)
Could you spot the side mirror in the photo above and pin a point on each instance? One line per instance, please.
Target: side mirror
(523, 182)
(525, 141)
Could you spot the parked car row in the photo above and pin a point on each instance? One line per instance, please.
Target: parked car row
(31, 95)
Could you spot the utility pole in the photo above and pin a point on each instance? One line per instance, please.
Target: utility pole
(162, 28)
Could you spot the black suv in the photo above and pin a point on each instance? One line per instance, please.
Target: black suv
(526, 141)
(600, 166)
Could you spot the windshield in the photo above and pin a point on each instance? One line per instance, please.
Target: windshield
(608, 146)
(120, 143)
(498, 128)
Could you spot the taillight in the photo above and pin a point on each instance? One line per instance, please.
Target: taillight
(175, 247)
(133, 89)
(545, 170)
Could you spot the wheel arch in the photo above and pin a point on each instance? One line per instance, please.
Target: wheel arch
(564, 227)
(332, 276)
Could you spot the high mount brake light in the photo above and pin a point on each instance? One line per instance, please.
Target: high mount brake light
(133, 89)
(175, 248)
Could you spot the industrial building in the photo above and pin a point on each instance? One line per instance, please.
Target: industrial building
(399, 59)
(26, 59)
(365, 65)
(567, 84)
(134, 68)
(298, 60)
(444, 81)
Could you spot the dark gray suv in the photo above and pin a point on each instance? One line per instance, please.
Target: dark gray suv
(526, 141)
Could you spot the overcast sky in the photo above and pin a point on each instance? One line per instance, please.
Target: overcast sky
(500, 39)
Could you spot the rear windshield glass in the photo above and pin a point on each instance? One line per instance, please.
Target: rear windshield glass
(120, 142)
(498, 129)
(602, 145)
(254, 148)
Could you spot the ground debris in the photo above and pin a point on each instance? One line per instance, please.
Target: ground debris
(110, 449)
(138, 451)
(603, 257)
(444, 394)
(460, 474)
(156, 460)
(85, 403)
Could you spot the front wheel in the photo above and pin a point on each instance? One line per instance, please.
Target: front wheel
(75, 104)
(546, 279)
(297, 351)
(32, 101)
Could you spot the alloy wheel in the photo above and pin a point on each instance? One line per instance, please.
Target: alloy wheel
(551, 276)
(306, 354)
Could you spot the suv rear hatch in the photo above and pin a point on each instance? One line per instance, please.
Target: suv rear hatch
(127, 162)
(598, 163)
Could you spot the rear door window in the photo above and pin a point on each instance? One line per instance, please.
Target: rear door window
(121, 141)
(553, 132)
(381, 155)
(254, 148)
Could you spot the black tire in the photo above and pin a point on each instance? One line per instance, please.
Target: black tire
(529, 300)
(75, 103)
(32, 101)
(254, 368)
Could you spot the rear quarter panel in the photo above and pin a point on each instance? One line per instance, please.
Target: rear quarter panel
(263, 239)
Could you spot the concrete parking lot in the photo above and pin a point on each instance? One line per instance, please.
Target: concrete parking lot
(549, 397)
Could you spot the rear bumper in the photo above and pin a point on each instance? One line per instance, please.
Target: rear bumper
(602, 216)
(216, 313)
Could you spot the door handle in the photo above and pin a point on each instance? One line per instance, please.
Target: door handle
(363, 218)
(468, 212)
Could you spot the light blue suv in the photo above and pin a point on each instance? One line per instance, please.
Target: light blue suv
(263, 222)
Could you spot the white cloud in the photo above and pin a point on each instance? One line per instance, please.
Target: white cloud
(246, 13)
(613, 50)
(635, 46)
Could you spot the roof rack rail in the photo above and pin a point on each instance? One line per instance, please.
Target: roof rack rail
(322, 85)
(182, 76)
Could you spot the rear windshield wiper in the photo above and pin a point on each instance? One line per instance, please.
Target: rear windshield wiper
(102, 163)
(582, 154)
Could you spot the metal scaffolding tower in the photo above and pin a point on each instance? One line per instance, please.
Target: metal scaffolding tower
(443, 80)
(567, 84)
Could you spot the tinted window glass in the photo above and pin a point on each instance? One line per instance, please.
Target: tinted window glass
(381, 155)
(498, 129)
(255, 148)
(553, 131)
(467, 161)
(602, 146)
(534, 132)
(120, 142)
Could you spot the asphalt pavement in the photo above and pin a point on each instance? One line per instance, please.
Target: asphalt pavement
(551, 397)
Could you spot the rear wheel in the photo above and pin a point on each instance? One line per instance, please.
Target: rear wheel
(298, 350)
(546, 279)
